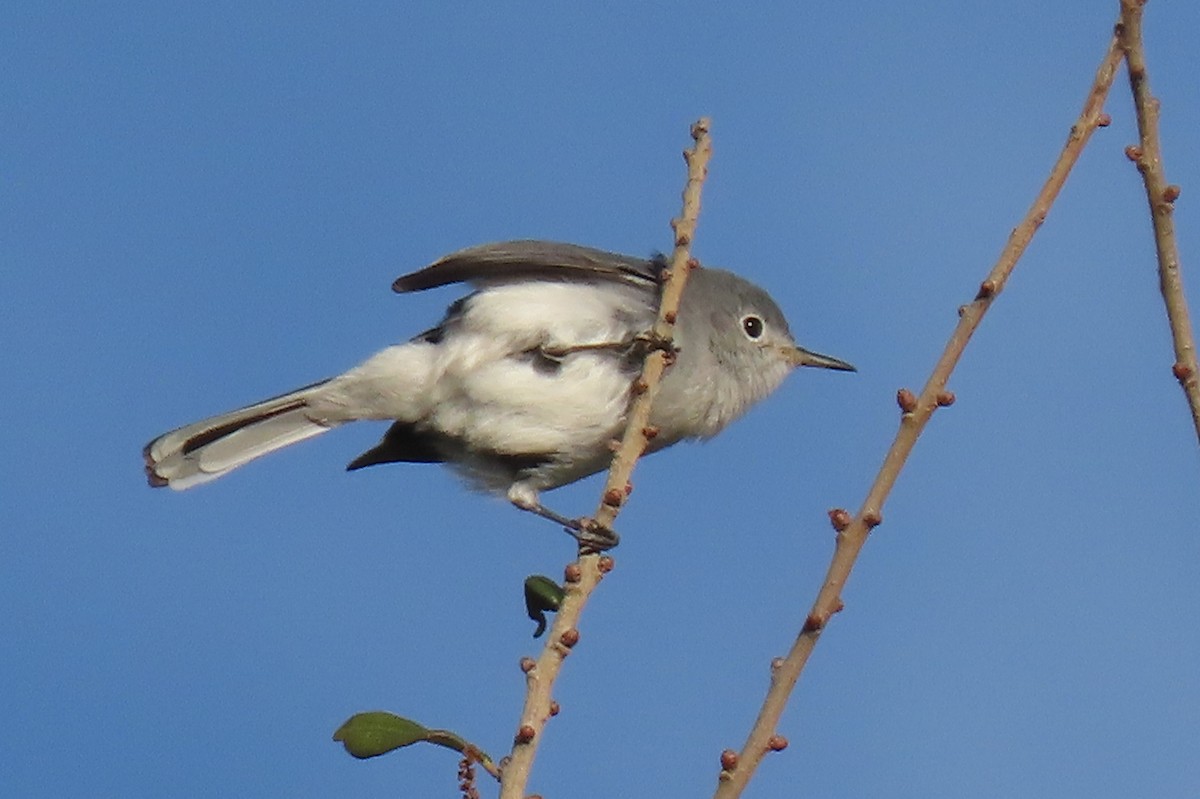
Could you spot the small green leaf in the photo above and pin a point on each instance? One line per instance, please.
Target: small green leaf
(541, 595)
(378, 732)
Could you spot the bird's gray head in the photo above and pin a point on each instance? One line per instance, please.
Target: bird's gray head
(735, 349)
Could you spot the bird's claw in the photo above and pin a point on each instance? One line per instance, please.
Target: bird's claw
(650, 341)
(592, 536)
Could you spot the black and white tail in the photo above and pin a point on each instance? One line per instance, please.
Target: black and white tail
(205, 450)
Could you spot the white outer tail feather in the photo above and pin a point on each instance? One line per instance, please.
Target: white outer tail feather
(203, 451)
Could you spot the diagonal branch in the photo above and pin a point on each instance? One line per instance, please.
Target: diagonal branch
(584, 574)
(738, 768)
(1161, 195)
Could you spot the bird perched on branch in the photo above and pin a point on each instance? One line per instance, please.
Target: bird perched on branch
(526, 381)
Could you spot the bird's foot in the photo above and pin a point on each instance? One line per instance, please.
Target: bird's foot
(645, 343)
(592, 536)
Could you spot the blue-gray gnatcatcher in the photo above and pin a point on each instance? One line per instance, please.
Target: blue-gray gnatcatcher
(526, 381)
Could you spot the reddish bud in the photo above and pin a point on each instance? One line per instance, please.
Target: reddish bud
(1133, 153)
(729, 760)
(572, 573)
(605, 564)
(639, 386)
(613, 497)
(569, 638)
(525, 734)
(692, 263)
(528, 665)
(650, 432)
(986, 289)
(554, 708)
(945, 399)
(1103, 121)
(669, 317)
(872, 519)
(906, 400)
(777, 743)
(1181, 371)
(839, 518)
(1171, 193)
(814, 622)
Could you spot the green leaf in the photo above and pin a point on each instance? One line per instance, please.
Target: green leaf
(541, 595)
(378, 732)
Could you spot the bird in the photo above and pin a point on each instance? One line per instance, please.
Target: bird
(526, 381)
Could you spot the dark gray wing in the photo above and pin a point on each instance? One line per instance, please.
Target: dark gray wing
(521, 260)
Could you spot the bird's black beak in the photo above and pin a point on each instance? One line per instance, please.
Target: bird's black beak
(798, 356)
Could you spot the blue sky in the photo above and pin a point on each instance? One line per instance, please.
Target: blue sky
(204, 205)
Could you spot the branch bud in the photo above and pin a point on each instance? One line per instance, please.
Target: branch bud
(839, 518)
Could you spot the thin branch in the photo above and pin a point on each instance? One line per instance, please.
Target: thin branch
(1161, 196)
(584, 574)
(738, 768)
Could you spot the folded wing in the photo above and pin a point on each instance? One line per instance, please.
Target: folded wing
(508, 261)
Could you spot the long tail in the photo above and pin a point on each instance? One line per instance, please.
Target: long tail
(205, 450)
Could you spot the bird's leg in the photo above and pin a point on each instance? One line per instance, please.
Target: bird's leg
(639, 345)
(590, 535)
(557, 354)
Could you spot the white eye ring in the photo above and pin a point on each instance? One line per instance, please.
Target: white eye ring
(753, 326)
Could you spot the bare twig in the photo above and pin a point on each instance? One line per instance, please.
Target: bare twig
(584, 574)
(1161, 195)
(737, 768)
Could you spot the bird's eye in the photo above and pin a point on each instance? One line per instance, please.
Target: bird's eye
(753, 326)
